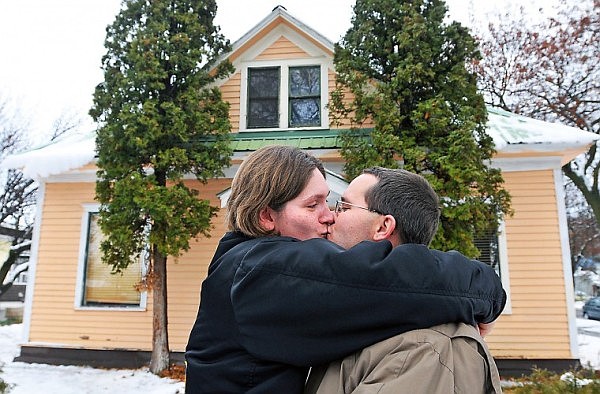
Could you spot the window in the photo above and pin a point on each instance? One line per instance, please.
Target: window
(263, 97)
(292, 90)
(492, 246)
(488, 248)
(98, 287)
(305, 96)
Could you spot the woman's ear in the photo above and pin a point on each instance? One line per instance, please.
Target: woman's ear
(266, 220)
(385, 229)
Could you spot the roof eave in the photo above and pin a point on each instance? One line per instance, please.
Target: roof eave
(567, 151)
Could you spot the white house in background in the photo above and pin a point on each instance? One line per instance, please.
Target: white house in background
(12, 300)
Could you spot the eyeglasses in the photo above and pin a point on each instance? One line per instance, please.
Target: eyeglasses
(339, 207)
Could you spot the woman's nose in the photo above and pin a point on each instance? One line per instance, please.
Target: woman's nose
(328, 216)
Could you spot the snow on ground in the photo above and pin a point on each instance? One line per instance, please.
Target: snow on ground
(589, 345)
(51, 379)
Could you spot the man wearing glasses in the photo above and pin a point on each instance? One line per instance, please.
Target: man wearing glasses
(383, 204)
(401, 207)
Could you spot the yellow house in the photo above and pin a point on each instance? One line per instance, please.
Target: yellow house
(76, 313)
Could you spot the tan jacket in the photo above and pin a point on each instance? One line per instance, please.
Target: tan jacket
(449, 358)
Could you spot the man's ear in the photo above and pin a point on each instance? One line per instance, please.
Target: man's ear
(266, 220)
(385, 228)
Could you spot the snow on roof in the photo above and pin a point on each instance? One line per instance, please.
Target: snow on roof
(507, 129)
(61, 155)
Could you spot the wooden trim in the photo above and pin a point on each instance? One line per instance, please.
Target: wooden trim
(563, 228)
(519, 367)
(138, 358)
(90, 357)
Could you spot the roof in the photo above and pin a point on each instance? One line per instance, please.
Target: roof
(509, 131)
(513, 132)
(60, 156)
(14, 293)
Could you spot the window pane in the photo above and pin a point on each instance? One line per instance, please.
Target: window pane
(263, 97)
(305, 96)
(102, 287)
(305, 81)
(263, 113)
(488, 248)
(263, 82)
(305, 112)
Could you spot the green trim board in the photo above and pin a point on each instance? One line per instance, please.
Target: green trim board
(310, 139)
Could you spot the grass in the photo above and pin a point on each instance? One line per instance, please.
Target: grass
(8, 322)
(4, 387)
(541, 381)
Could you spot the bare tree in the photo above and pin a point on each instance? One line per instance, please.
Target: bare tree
(584, 231)
(17, 197)
(18, 193)
(550, 71)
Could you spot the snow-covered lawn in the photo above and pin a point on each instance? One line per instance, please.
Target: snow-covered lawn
(50, 379)
(589, 345)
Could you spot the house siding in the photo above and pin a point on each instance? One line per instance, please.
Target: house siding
(538, 324)
(230, 92)
(282, 49)
(344, 123)
(186, 274)
(536, 328)
(54, 318)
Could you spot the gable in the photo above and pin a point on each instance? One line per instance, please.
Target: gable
(280, 23)
(283, 48)
(279, 40)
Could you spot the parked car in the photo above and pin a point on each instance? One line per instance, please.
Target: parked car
(591, 308)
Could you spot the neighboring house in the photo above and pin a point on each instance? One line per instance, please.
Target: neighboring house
(76, 312)
(12, 300)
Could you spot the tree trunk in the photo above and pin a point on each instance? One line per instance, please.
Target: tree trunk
(160, 338)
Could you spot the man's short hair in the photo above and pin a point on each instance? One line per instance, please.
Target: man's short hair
(410, 199)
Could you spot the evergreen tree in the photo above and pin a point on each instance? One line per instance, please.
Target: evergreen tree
(160, 118)
(407, 72)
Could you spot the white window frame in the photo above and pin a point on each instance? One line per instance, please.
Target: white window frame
(504, 266)
(80, 283)
(284, 66)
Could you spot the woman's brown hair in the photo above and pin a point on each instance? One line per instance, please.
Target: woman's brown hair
(269, 177)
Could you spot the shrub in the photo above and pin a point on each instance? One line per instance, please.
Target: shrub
(541, 381)
(4, 387)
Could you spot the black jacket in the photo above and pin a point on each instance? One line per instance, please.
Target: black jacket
(271, 307)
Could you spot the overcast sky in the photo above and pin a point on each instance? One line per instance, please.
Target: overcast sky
(51, 50)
